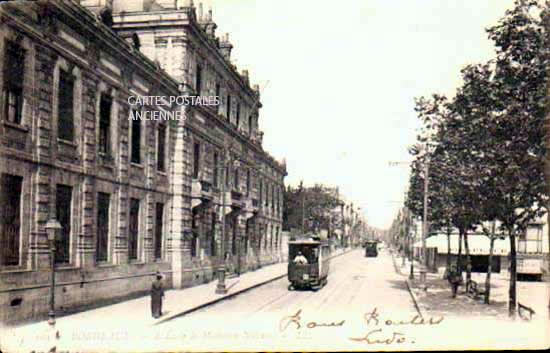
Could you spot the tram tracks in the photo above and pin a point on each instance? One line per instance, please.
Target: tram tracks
(279, 298)
(299, 298)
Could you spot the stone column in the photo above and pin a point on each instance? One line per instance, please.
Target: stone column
(179, 218)
(45, 60)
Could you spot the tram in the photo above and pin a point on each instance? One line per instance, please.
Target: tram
(371, 248)
(308, 263)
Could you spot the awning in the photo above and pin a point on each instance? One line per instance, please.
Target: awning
(478, 244)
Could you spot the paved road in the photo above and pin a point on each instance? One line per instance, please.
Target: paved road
(365, 306)
(355, 284)
(272, 317)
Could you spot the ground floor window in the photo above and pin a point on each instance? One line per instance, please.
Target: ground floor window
(103, 201)
(133, 229)
(157, 241)
(213, 235)
(10, 218)
(63, 215)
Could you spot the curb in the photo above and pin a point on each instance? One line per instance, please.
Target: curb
(414, 298)
(409, 287)
(230, 295)
(217, 300)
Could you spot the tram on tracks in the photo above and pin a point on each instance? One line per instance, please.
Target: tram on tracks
(308, 262)
(371, 248)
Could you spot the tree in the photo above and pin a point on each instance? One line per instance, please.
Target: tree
(292, 207)
(489, 139)
(516, 125)
(463, 140)
(453, 196)
(310, 208)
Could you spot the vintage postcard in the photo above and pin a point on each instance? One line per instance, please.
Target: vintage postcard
(255, 175)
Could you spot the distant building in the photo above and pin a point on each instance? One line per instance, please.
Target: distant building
(531, 249)
(479, 251)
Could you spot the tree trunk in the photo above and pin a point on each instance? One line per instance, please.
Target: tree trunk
(459, 255)
(513, 267)
(468, 260)
(548, 222)
(489, 265)
(448, 249)
(403, 246)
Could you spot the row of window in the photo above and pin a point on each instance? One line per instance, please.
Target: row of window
(13, 98)
(14, 59)
(10, 223)
(135, 144)
(232, 227)
(228, 100)
(271, 191)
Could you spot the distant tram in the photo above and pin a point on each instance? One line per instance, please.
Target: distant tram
(371, 248)
(308, 263)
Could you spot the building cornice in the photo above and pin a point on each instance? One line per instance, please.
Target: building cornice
(94, 30)
(172, 18)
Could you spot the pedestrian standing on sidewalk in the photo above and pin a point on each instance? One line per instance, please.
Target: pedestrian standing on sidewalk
(157, 293)
(454, 279)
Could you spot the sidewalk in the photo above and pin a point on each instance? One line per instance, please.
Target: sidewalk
(437, 299)
(136, 313)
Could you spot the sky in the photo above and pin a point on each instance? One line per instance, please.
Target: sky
(339, 79)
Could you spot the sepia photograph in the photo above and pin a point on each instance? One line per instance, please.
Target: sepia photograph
(273, 176)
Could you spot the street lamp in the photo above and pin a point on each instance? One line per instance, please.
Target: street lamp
(221, 288)
(52, 229)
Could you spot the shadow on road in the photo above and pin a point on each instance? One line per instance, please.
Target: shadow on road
(398, 284)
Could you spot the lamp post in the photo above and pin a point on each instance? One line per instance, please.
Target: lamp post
(52, 229)
(221, 288)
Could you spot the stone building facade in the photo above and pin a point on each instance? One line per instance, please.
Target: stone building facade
(133, 196)
(182, 39)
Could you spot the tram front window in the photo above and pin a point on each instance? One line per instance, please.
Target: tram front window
(308, 252)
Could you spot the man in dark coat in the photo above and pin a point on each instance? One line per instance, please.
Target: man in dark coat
(454, 279)
(157, 292)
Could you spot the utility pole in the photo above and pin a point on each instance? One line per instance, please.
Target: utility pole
(411, 253)
(303, 211)
(424, 268)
